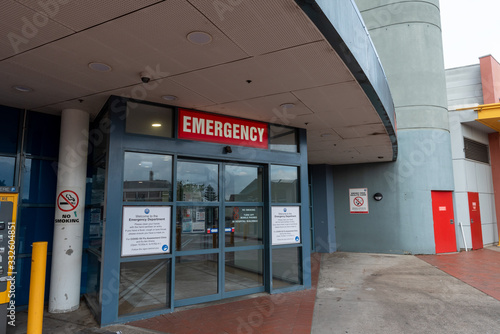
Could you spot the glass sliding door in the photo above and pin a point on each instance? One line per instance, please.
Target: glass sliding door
(145, 267)
(244, 226)
(219, 231)
(197, 244)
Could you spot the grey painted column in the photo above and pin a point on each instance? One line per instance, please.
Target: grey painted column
(69, 214)
(324, 217)
(407, 36)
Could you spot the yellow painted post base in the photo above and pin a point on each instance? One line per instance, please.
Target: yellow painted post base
(37, 288)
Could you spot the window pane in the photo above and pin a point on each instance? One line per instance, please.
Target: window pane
(144, 286)
(10, 126)
(243, 184)
(197, 227)
(286, 267)
(243, 226)
(39, 181)
(34, 224)
(196, 276)
(42, 137)
(98, 183)
(197, 182)
(150, 120)
(243, 270)
(7, 167)
(93, 278)
(282, 138)
(284, 184)
(147, 177)
(95, 219)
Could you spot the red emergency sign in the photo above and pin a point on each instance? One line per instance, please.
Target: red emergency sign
(196, 125)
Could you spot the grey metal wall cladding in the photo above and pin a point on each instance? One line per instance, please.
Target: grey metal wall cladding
(476, 151)
(341, 24)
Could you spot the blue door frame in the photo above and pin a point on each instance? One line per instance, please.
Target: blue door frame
(120, 142)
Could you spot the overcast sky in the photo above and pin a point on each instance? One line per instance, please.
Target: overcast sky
(470, 30)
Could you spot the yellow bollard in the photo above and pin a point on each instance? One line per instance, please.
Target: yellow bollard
(37, 287)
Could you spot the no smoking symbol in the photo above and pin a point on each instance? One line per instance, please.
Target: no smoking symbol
(67, 200)
(358, 201)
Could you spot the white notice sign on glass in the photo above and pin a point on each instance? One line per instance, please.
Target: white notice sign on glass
(146, 230)
(285, 225)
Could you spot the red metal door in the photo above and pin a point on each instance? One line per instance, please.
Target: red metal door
(475, 221)
(444, 221)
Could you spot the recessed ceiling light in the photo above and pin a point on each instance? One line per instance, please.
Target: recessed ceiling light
(23, 89)
(199, 37)
(156, 125)
(100, 67)
(287, 105)
(169, 97)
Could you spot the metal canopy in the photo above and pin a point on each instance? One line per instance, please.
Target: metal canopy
(489, 115)
(262, 60)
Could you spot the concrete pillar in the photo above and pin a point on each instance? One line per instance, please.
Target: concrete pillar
(69, 214)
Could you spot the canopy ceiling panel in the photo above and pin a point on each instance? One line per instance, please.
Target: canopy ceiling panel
(278, 61)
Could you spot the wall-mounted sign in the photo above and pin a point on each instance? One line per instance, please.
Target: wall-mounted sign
(69, 210)
(146, 230)
(8, 217)
(196, 125)
(67, 200)
(358, 200)
(285, 225)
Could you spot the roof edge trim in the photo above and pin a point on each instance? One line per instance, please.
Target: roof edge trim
(342, 26)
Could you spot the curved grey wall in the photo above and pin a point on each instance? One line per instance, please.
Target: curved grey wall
(341, 24)
(407, 37)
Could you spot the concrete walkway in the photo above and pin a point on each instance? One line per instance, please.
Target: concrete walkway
(371, 293)
(353, 293)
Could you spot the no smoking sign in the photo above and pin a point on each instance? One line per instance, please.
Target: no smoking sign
(358, 200)
(67, 200)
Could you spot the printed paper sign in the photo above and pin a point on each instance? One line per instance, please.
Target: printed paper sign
(285, 225)
(358, 200)
(146, 230)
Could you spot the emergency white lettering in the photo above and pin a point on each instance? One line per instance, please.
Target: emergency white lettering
(236, 131)
(253, 135)
(227, 130)
(187, 124)
(218, 129)
(210, 125)
(196, 125)
(261, 133)
(244, 132)
(222, 129)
